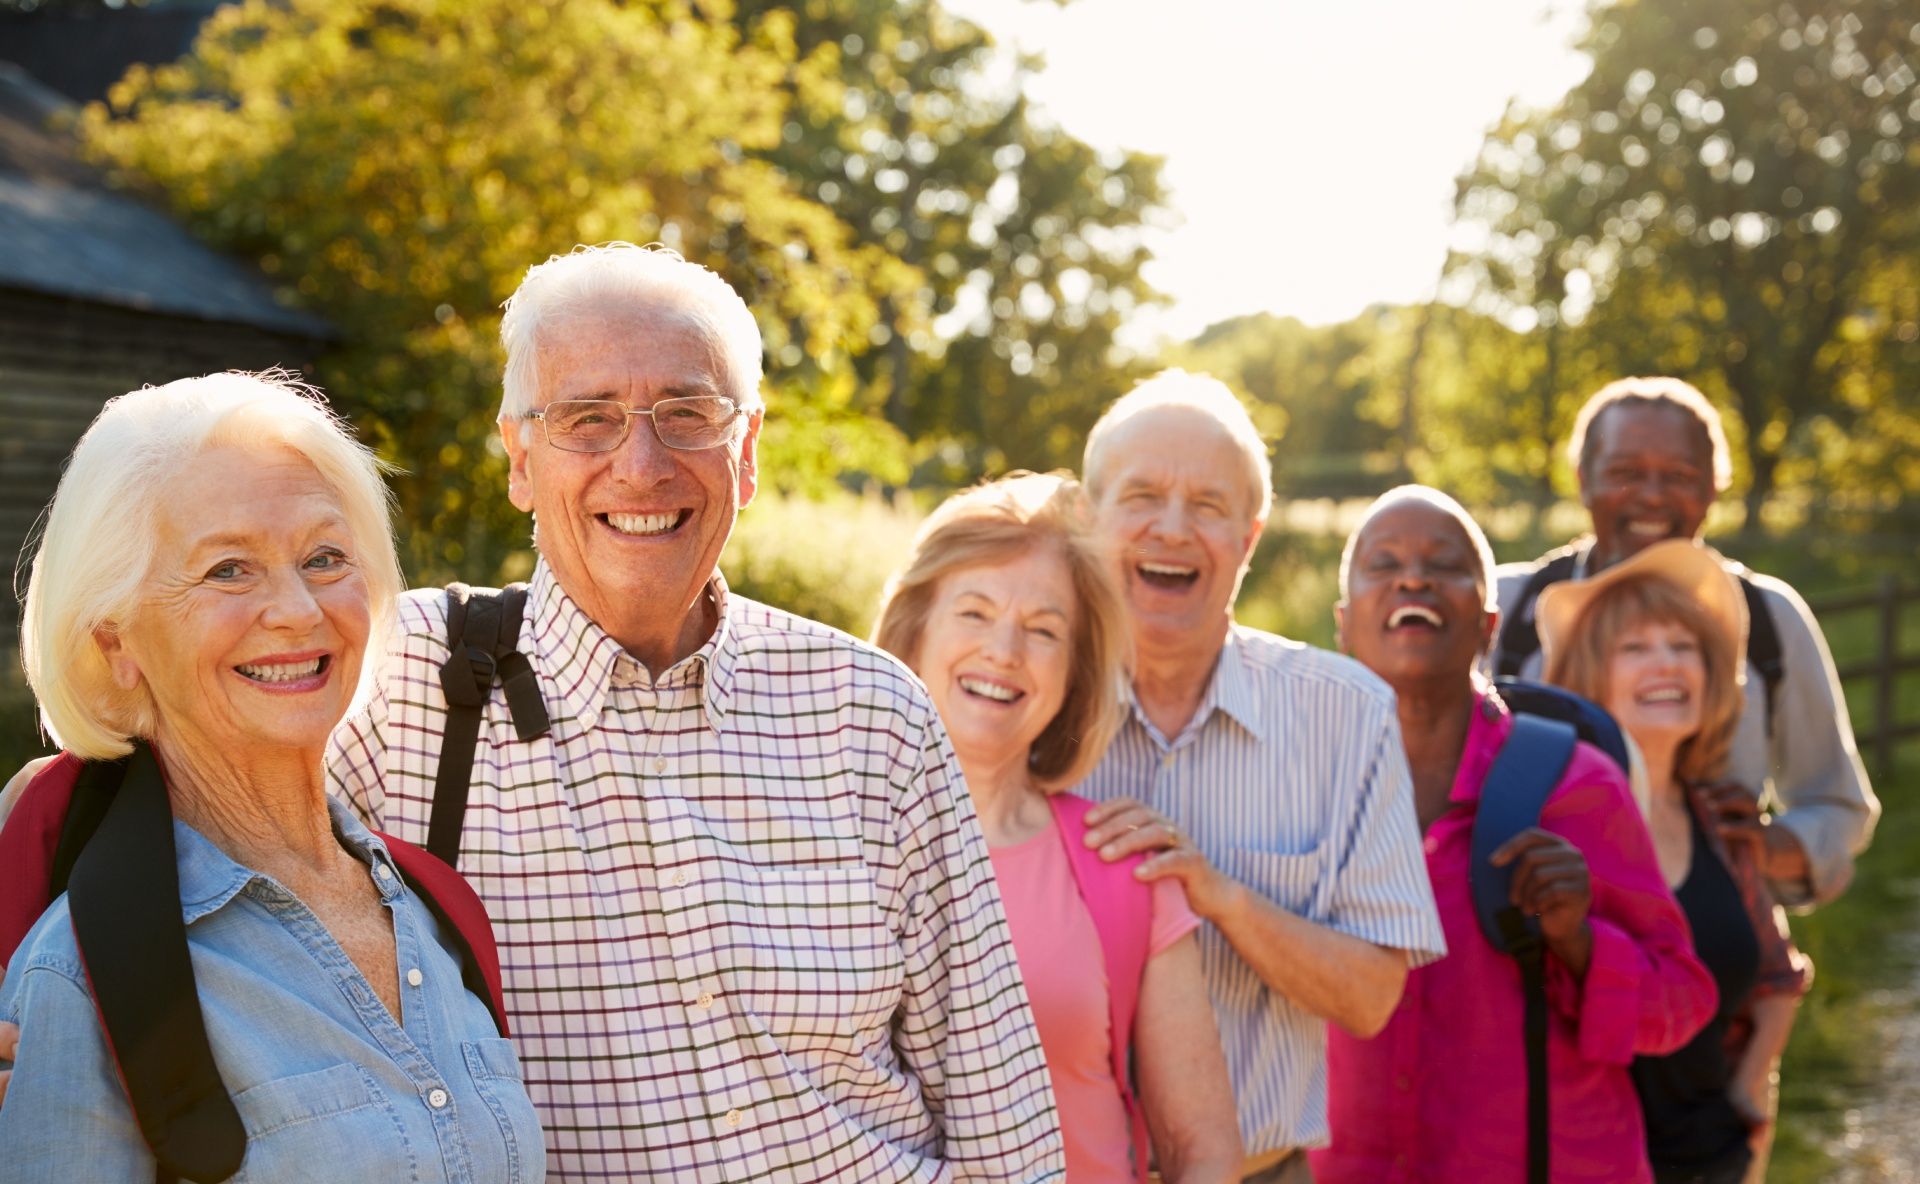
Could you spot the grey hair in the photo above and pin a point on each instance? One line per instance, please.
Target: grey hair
(1202, 393)
(1426, 495)
(605, 277)
(99, 543)
(1680, 395)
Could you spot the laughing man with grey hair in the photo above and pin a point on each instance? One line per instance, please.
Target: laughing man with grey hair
(1267, 776)
(747, 920)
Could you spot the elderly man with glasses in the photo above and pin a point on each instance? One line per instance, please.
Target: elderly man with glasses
(747, 920)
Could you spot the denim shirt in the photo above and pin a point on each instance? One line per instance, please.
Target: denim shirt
(327, 1084)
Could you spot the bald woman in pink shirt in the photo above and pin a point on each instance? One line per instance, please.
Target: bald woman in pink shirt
(1441, 1094)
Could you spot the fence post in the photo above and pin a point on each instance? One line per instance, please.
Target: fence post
(1886, 680)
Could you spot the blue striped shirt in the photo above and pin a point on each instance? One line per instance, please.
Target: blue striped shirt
(1291, 778)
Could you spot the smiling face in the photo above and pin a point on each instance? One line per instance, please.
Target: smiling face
(996, 653)
(1177, 507)
(633, 535)
(1415, 609)
(1648, 477)
(1656, 682)
(255, 615)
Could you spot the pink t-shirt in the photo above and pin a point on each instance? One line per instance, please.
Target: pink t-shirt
(1059, 953)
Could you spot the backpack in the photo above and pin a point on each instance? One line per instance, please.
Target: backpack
(102, 832)
(1547, 722)
(1520, 634)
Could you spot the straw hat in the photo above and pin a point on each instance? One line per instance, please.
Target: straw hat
(1695, 569)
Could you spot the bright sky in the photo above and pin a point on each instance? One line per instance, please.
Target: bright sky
(1311, 145)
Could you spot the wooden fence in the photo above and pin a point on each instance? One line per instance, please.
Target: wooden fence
(1882, 670)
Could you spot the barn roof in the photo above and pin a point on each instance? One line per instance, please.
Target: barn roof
(65, 232)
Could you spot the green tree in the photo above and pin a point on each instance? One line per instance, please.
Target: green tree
(399, 164)
(1727, 197)
(911, 124)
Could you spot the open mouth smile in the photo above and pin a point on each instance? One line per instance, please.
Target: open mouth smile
(287, 675)
(646, 525)
(1167, 575)
(992, 691)
(1414, 616)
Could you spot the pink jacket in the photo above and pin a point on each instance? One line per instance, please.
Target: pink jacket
(1440, 1095)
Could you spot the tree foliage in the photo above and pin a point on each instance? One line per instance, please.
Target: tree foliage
(399, 164)
(912, 126)
(1730, 196)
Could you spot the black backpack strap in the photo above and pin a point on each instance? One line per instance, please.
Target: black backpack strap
(483, 632)
(1763, 645)
(1519, 634)
(1524, 773)
(124, 897)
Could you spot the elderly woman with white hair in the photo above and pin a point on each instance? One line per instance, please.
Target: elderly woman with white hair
(1621, 975)
(197, 621)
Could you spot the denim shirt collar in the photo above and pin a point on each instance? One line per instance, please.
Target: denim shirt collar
(209, 877)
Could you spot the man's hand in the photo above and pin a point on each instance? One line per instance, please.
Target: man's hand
(1550, 882)
(1778, 852)
(1122, 827)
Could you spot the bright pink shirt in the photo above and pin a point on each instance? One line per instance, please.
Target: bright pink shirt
(1441, 1094)
(1059, 954)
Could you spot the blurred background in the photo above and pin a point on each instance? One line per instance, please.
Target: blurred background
(1414, 236)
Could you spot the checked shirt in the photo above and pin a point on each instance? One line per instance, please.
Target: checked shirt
(747, 922)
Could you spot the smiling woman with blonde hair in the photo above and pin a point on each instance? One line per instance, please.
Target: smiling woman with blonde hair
(1007, 610)
(1659, 640)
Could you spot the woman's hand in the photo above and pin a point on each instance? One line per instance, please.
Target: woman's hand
(1550, 882)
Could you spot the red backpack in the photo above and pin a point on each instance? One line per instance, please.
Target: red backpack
(102, 832)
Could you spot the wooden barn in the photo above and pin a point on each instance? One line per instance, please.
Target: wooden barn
(101, 294)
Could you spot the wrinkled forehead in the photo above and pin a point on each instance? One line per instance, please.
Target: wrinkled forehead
(608, 337)
(1176, 446)
(1639, 425)
(1415, 522)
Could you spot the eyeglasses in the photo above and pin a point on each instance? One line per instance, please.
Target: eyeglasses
(600, 425)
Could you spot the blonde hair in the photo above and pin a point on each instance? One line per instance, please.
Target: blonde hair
(611, 276)
(98, 544)
(1201, 393)
(1581, 664)
(998, 522)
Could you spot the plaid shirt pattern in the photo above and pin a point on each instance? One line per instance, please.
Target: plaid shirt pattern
(748, 925)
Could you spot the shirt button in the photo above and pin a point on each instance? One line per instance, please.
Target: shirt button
(659, 764)
(679, 879)
(437, 1098)
(414, 977)
(705, 1001)
(734, 1117)
(588, 719)
(382, 871)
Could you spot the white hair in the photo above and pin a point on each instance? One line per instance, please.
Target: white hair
(1197, 392)
(98, 542)
(1426, 495)
(589, 280)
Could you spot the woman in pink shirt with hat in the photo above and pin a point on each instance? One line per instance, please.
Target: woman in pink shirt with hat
(1008, 613)
(1441, 1094)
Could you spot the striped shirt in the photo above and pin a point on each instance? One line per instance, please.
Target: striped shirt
(1291, 779)
(748, 922)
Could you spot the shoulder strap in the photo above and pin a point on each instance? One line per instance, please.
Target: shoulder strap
(458, 907)
(1519, 634)
(1122, 911)
(1763, 644)
(483, 633)
(124, 897)
(1529, 765)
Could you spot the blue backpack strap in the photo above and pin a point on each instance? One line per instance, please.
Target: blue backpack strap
(1528, 767)
(1592, 721)
(1530, 764)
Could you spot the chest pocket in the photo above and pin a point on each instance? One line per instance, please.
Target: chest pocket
(1296, 882)
(817, 962)
(333, 1123)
